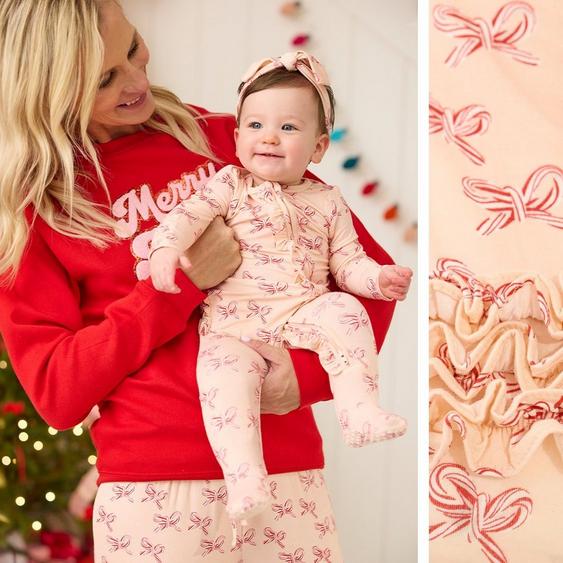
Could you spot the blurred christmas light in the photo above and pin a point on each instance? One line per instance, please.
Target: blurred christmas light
(20, 501)
(3, 364)
(22, 424)
(38, 445)
(290, 8)
(52, 431)
(6, 460)
(370, 188)
(92, 459)
(351, 162)
(23, 436)
(78, 430)
(411, 234)
(36, 525)
(391, 212)
(300, 40)
(50, 496)
(338, 134)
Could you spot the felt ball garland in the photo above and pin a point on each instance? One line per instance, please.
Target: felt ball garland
(370, 186)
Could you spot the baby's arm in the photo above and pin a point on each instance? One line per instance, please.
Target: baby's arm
(183, 226)
(352, 269)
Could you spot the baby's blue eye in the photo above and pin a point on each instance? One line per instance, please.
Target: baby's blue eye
(255, 125)
(288, 127)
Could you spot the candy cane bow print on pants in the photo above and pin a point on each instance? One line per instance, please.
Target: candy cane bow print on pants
(511, 23)
(470, 120)
(454, 494)
(539, 194)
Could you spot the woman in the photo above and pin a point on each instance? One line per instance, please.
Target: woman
(91, 157)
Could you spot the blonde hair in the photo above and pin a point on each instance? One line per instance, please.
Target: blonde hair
(51, 56)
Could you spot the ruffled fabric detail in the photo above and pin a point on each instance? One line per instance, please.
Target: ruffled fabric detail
(496, 366)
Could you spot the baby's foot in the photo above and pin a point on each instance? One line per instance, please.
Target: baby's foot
(369, 427)
(247, 493)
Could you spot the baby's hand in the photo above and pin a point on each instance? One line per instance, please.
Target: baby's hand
(394, 281)
(163, 264)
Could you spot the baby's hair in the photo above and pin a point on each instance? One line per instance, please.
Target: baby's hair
(281, 77)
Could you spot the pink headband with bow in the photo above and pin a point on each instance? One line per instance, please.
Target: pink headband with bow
(298, 61)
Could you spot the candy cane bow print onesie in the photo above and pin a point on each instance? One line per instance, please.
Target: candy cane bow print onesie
(291, 237)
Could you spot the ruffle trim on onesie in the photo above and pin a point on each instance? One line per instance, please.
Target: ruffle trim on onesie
(496, 366)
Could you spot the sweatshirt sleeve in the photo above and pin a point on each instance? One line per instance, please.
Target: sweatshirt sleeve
(64, 366)
(313, 380)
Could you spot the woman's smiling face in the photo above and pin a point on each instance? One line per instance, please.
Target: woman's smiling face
(124, 100)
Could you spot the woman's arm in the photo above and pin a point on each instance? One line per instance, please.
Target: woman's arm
(65, 367)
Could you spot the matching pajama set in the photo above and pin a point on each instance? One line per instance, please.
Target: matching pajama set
(84, 326)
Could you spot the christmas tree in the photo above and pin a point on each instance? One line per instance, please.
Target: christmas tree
(40, 468)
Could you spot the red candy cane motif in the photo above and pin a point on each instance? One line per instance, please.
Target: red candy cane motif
(273, 488)
(283, 509)
(248, 538)
(207, 397)
(526, 415)
(123, 491)
(308, 507)
(274, 287)
(295, 557)
(452, 419)
(230, 360)
(273, 536)
(226, 420)
(119, 543)
(256, 310)
(149, 549)
(209, 546)
(321, 554)
(155, 495)
(510, 204)
(325, 527)
(229, 310)
(211, 496)
(240, 473)
(307, 480)
(106, 517)
(371, 382)
(199, 522)
(354, 321)
(470, 120)
(476, 379)
(500, 34)
(454, 494)
(456, 272)
(163, 522)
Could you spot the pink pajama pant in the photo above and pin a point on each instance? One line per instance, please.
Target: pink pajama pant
(186, 522)
(230, 377)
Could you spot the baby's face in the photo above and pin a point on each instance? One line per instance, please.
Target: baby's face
(278, 135)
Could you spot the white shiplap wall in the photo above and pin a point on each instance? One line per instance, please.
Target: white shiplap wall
(200, 48)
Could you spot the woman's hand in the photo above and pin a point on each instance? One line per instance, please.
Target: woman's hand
(213, 257)
(280, 391)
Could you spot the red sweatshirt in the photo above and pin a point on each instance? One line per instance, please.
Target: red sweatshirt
(84, 326)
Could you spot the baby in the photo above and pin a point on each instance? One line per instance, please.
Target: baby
(293, 233)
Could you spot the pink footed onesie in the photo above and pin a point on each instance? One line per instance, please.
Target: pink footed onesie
(291, 238)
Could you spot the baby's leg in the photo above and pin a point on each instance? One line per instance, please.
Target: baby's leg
(337, 327)
(230, 376)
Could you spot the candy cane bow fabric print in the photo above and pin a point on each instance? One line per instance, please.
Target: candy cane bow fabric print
(511, 24)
